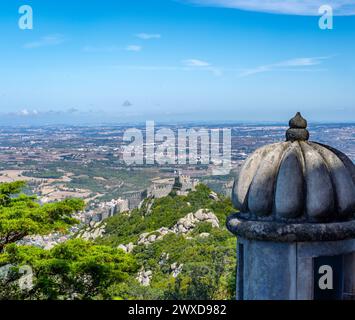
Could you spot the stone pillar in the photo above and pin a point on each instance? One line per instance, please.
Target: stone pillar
(279, 262)
(296, 221)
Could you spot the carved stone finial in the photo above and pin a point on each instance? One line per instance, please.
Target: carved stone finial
(297, 130)
(298, 122)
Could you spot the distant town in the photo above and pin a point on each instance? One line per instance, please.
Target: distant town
(86, 162)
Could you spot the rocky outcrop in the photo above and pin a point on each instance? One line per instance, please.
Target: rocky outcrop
(93, 231)
(183, 226)
(204, 235)
(144, 277)
(189, 222)
(127, 248)
(176, 269)
(5, 271)
(164, 258)
(214, 196)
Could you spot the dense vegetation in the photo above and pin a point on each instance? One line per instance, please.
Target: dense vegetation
(207, 273)
(165, 212)
(208, 270)
(74, 270)
(22, 216)
(78, 269)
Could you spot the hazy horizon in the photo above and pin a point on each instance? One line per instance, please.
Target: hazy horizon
(37, 122)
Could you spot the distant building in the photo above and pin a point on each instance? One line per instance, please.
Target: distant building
(111, 208)
(135, 198)
(184, 184)
(160, 188)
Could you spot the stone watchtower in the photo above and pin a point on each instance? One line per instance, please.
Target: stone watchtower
(296, 221)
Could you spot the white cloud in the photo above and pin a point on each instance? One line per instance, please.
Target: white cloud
(196, 63)
(292, 7)
(134, 48)
(27, 113)
(202, 65)
(148, 36)
(35, 113)
(292, 64)
(184, 67)
(24, 112)
(50, 40)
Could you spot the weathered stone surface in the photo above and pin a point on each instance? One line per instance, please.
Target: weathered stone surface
(144, 277)
(289, 197)
(297, 131)
(204, 235)
(123, 247)
(163, 231)
(298, 180)
(343, 183)
(127, 248)
(346, 161)
(284, 271)
(5, 271)
(320, 194)
(298, 122)
(143, 239)
(297, 135)
(152, 238)
(176, 269)
(261, 191)
(241, 189)
(93, 231)
(214, 196)
(201, 215)
(294, 232)
(164, 258)
(268, 273)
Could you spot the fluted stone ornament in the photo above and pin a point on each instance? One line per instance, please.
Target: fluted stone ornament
(296, 182)
(296, 203)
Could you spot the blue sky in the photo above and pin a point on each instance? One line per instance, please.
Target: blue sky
(188, 60)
